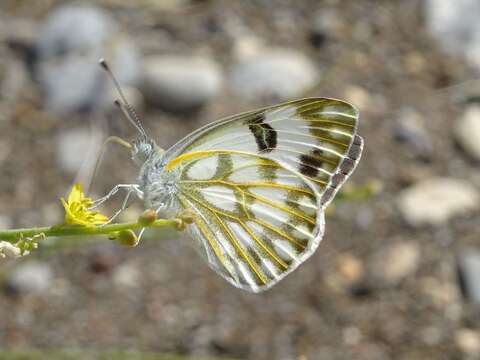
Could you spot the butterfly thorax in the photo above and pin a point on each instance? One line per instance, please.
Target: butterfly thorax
(157, 184)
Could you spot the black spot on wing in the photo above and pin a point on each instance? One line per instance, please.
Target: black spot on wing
(265, 135)
(310, 163)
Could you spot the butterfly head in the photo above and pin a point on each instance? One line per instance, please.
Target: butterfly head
(144, 149)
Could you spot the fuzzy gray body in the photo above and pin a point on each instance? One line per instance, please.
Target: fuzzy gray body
(158, 185)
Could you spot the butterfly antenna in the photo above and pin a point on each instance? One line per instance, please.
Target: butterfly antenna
(109, 140)
(124, 105)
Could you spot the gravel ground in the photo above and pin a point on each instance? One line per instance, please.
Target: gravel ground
(382, 285)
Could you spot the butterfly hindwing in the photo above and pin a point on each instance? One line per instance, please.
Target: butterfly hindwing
(258, 183)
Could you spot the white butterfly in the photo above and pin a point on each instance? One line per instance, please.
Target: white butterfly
(257, 183)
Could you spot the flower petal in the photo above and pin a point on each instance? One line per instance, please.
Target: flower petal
(77, 209)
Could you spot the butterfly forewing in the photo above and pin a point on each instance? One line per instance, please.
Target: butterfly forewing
(258, 183)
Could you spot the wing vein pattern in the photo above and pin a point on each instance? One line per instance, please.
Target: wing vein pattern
(259, 183)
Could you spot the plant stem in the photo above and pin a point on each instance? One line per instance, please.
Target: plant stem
(13, 235)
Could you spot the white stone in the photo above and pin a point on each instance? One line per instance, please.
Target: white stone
(77, 149)
(126, 276)
(409, 128)
(181, 83)
(434, 201)
(467, 131)
(31, 277)
(358, 96)
(469, 270)
(279, 73)
(350, 268)
(399, 261)
(468, 341)
(455, 26)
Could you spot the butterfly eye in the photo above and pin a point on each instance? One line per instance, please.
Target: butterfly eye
(141, 151)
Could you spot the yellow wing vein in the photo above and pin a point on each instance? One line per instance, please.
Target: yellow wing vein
(279, 186)
(263, 246)
(326, 129)
(246, 166)
(302, 109)
(205, 232)
(278, 232)
(253, 184)
(279, 207)
(237, 246)
(330, 122)
(240, 250)
(213, 210)
(312, 119)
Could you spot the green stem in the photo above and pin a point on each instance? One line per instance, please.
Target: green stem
(14, 235)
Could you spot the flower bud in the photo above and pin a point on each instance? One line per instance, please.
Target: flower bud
(127, 238)
(147, 217)
(188, 216)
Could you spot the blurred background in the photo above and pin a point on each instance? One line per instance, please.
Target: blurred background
(397, 275)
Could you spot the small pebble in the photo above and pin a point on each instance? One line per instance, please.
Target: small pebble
(454, 24)
(469, 271)
(77, 147)
(467, 131)
(435, 201)
(398, 261)
(277, 73)
(30, 277)
(443, 294)
(126, 276)
(326, 25)
(358, 96)
(181, 83)
(350, 268)
(409, 128)
(352, 336)
(468, 341)
(104, 259)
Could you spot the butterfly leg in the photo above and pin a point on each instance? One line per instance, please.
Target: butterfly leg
(130, 191)
(140, 234)
(130, 188)
(142, 231)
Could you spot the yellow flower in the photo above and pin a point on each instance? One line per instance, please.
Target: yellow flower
(77, 209)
